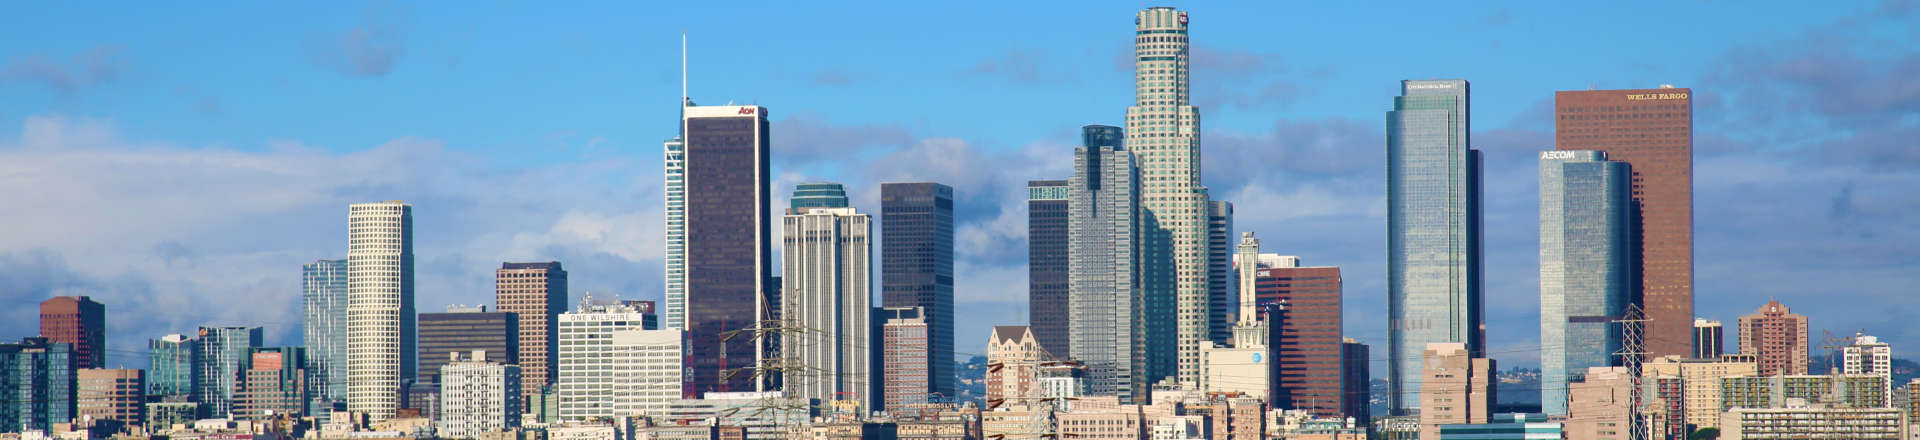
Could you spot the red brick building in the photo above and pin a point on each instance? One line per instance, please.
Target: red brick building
(1306, 342)
(80, 321)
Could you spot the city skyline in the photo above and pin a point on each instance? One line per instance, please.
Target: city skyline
(50, 126)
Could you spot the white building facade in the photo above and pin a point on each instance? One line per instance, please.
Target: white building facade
(381, 334)
(612, 366)
(827, 281)
(477, 397)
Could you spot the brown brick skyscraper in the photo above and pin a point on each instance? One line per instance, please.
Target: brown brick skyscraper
(80, 321)
(537, 293)
(1306, 343)
(1652, 130)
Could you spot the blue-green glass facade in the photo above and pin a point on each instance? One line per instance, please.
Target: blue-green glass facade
(217, 364)
(1433, 232)
(1587, 267)
(325, 292)
(818, 195)
(1506, 427)
(170, 365)
(37, 384)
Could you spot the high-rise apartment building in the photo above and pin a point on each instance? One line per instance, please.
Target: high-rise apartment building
(1119, 323)
(1868, 356)
(1047, 298)
(1652, 130)
(1688, 390)
(111, 394)
(273, 383)
(41, 381)
(536, 293)
(1307, 344)
(1777, 338)
(381, 338)
(1587, 266)
(916, 263)
(1458, 388)
(610, 365)
(478, 396)
(1222, 290)
(903, 356)
(1163, 133)
(725, 257)
(223, 353)
(170, 365)
(80, 321)
(464, 329)
(827, 277)
(1709, 339)
(1433, 232)
(324, 295)
(1356, 380)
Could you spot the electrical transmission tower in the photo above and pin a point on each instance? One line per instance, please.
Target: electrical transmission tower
(1633, 351)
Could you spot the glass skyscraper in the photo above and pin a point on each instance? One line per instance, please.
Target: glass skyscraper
(727, 252)
(817, 195)
(1119, 326)
(217, 364)
(1433, 232)
(324, 288)
(1163, 133)
(170, 365)
(916, 265)
(1047, 311)
(676, 232)
(1587, 269)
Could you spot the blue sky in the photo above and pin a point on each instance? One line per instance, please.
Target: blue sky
(181, 164)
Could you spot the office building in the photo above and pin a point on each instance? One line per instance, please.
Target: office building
(1222, 288)
(1709, 339)
(675, 255)
(1307, 343)
(381, 338)
(1458, 388)
(1813, 422)
(536, 294)
(478, 396)
(1869, 356)
(1651, 130)
(1356, 378)
(724, 254)
(1777, 338)
(80, 321)
(1047, 294)
(217, 366)
(827, 277)
(41, 382)
(916, 261)
(1118, 322)
(903, 357)
(611, 366)
(1163, 133)
(1014, 359)
(465, 329)
(1433, 231)
(170, 365)
(1504, 427)
(274, 383)
(324, 294)
(111, 394)
(1601, 405)
(1587, 267)
(1246, 366)
(1695, 396)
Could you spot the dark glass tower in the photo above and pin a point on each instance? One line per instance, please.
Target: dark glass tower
(1433, 232)
(1047, 264)
(463, 330)
(916, 263)
(728, 251)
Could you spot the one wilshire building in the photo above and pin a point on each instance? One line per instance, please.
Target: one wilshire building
(1433, 232)
(1120, 326)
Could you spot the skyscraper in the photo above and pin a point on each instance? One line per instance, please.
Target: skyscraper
(223, 353)
(828, 279)
(726, 247)
(324, 291)
(1459, 388)
(676, 229)
(1307, 348)
(1119, 323)
(1652, 130)
(1709, 339)
(1047, 312)
(1222, 291)
(80, 321)
(41, 385)
(536, 293)
(1777, 338)
(466, 330)
(1355, 380)
(1587, 266)
(170, 365)
(1247, 364)
(1163, 133)
(916, 261)
(381, 343)
(1433, 232)
(903, 356)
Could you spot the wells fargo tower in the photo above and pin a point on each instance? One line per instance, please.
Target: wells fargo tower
(1652, 130)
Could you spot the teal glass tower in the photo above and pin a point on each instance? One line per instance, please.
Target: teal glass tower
(1433, 232)
(1588, 272)
(817, 195)
(170, 365)
(324, 290)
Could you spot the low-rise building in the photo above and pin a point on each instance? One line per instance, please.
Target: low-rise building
(1505, 427)
(1798, 420)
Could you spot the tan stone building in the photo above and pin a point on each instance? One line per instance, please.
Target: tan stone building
(1455, 388)
(1699, 384)
(111, 394)
(1601, 406)
(1014, 356)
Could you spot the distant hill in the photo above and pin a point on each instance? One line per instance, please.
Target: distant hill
(1903, 370)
